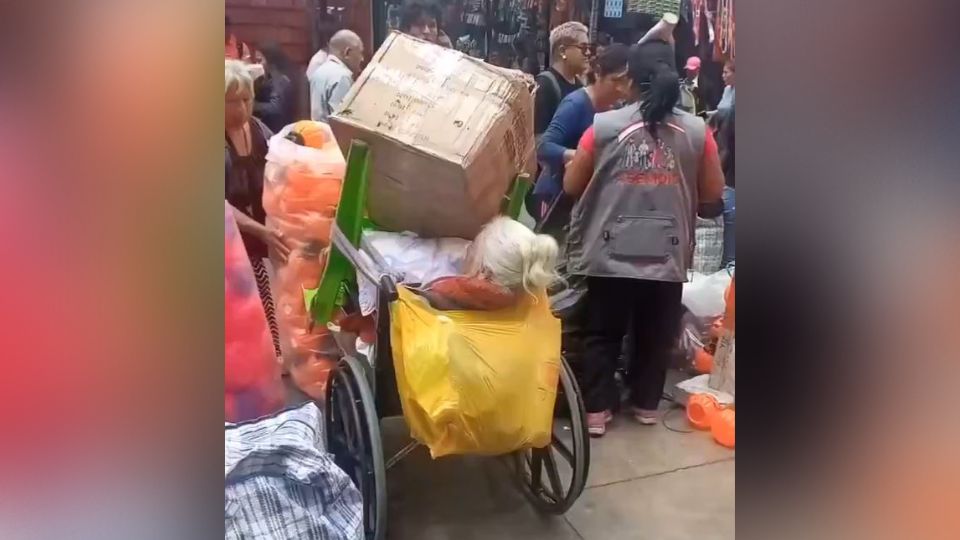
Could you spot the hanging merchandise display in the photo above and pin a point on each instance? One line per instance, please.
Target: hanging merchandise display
(726, 27)
(474, 39)
(698, 8)
(656, 8)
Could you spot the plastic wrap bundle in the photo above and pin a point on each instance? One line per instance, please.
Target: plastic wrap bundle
(252, 383)
(708, 253)
(302, 181)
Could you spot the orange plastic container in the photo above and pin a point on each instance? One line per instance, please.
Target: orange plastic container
(702, 361)
(723, 427)
(701, 409)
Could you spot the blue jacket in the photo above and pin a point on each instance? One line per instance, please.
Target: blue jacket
(574, 115)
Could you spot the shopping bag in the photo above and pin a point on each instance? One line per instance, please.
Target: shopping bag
(476, 382)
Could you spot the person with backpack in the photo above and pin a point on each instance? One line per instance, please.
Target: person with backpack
(569, 46)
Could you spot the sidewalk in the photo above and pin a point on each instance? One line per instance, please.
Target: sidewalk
(645, 482)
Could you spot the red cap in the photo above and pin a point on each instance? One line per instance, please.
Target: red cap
(693, 63)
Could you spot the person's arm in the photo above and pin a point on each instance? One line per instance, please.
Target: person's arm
(247, 224)
(551, 150)
(710, 180)
(271, 237)
(578, 173)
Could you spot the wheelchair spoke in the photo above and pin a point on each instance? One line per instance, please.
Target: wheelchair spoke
(563, 450)
(536, 468)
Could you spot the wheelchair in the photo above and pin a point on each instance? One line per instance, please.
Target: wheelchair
(362, 388)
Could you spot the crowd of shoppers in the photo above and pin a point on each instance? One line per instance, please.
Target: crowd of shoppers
(620, 136)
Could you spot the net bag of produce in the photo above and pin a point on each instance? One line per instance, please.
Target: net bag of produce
(301, 190)
(476, 382)
(251, 373)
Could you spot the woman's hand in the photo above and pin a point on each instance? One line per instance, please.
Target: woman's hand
(271, 237)
(276, 243)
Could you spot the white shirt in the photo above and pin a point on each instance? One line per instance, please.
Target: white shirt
(318, 58)
(329, 84)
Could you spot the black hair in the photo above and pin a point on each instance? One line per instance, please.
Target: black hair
(652, 68)
(609, 59)
(415, 10)
(275, 57)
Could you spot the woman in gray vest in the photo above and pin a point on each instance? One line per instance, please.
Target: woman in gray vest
(642, 174)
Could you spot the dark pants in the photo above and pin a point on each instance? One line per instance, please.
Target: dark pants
(612, 304)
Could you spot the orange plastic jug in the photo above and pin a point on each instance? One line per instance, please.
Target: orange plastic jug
(702, 361)
(723, 427)
(701, 408)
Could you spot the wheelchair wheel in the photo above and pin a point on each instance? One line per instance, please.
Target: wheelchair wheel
(353, 437)
(554, 477)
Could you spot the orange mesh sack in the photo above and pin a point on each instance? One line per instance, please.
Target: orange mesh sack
(302, 182)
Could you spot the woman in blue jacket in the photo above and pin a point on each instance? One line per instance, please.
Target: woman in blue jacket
(608, 85)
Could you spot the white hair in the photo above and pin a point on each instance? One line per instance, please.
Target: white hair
(510, 254)
(237, 76)
(567, 34)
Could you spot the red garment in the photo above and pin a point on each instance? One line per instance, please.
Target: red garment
(462, 292)
(709, 144)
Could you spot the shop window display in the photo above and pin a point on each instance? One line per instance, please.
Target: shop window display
(507, 33)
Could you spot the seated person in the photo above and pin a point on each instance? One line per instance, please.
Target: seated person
(505, 260)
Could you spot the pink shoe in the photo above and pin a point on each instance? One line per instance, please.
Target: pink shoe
(645, 416)
(597, 423)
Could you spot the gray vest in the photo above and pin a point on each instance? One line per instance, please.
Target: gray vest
(636, 218)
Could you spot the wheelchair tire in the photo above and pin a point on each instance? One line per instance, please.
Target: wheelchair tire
(352, 435)
(531, 465)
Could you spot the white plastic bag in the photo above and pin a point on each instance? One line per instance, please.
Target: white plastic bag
(703, 294)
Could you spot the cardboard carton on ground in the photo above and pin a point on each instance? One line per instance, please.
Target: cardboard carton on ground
(723, 375)
(447, 134)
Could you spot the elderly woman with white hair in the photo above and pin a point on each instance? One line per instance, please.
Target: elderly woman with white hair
(245, 153)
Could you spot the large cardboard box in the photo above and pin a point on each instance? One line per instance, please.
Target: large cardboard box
(447, 135)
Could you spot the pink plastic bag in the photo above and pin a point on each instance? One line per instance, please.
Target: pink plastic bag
(251, 373)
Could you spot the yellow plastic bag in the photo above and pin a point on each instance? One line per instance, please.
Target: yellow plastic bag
(476, 382)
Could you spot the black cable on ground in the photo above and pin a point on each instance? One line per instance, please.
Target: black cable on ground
(666, 415)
